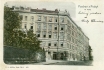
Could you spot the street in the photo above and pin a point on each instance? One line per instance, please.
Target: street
(82, 63)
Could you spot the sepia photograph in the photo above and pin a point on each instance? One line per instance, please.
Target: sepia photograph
(44, 33)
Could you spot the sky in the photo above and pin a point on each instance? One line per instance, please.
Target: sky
(62, 6)
(95, 31)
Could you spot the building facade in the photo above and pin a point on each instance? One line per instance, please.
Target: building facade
(61, 38)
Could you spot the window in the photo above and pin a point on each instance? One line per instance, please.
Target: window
(55, 35)
(49, 44)
(32, 18)
(72, 33)
(68, 28)
(39, 18)
(61, 35)
(49, 52)
(55, 44)
(61, 44)
(55, 26)
(44, 34)
(38, 33)
(72, 26)
(73, 47)
(75, 41)
(45, 19)
(62, 27)
(39, 26)
(50, 34)
(25, 17)
(50, 19)
(68, 21)
(44, 44)
(55, 19)
(25, 26)
(70, 46)
(44, 26)
(62, 20)
(72, 40)
(31, 27)
(50, 26)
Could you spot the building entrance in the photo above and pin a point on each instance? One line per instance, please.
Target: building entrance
(62, 56)
(54, 56)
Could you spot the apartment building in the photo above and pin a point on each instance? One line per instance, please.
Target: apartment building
(61, 38)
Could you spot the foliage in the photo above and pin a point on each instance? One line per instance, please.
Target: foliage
(11, 22)
(90, 53)
(14, 36)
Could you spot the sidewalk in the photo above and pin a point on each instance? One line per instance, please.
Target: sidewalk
(63, 62)
(49, 62)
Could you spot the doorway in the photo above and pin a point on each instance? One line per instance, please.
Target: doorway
(54, 56)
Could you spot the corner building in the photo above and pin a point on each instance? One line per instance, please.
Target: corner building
(61, 38)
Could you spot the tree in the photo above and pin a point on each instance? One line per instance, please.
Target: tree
(11, 21)
(15, 36)
(90, 53)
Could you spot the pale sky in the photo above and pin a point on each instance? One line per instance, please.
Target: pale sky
(95, 31)
(62, 6)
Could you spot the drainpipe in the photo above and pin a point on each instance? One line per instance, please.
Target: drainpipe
(58, 36)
